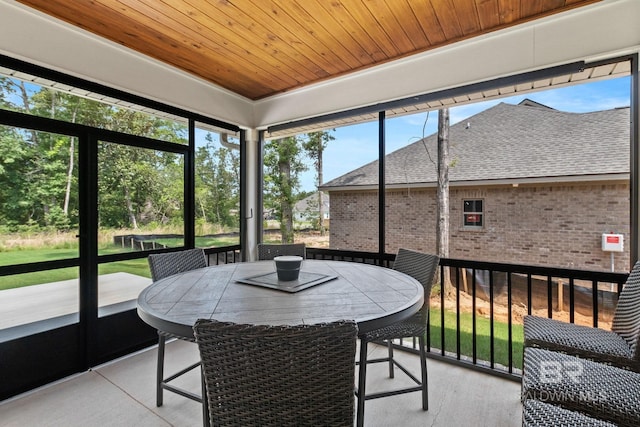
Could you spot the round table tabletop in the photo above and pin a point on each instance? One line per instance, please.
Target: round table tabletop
(373, 296)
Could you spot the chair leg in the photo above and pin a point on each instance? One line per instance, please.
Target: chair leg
(423, 368)
(206, 417)
(390, 347)
(160, 370)
(362, 382)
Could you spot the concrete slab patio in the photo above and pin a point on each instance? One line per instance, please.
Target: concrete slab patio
(28, 304)
(122, 393)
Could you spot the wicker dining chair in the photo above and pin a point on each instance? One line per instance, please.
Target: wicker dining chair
(161, 266)
(598, 390)
(267, 251)
(536, 413)
(259, 375)
(422, 267)
(619, 347)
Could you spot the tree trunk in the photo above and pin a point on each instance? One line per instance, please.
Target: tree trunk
(286, 223)
(442, 226)
(132, 216)
(320, 205)
(72, 149)
(25, 97)
(27, 108)
(67, 192)
(203, 213)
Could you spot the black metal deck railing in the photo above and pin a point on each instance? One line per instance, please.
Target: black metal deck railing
(223, 255)
(492, 298)
(476, 318)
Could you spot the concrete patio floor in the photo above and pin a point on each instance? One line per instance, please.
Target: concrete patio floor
(122, 393)
(27, 304)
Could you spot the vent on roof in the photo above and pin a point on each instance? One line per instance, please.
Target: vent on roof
(530, 103)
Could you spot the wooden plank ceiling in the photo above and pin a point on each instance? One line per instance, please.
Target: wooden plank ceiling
(259, 48)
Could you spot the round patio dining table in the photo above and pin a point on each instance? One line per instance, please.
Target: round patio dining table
(250, 293)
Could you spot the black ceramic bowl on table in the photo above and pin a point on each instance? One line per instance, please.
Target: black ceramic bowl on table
(288, 267)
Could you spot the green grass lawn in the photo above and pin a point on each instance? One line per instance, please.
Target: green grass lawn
(36, 255)
(136, 266)
(483, 343)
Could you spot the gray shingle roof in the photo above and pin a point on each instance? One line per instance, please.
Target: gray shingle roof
(512, 142)
(311, 202)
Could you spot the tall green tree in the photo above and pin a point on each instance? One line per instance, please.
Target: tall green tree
(283, 163)
(140, 186)
(137, 186)
(14, 154)
(73, 109)
(314, 146)
(217, 184)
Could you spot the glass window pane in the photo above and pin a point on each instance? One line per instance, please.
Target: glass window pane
(532, 158)
(468, 206)
(473, 220)
(410, 174)
(32, 297)
(301, 176)
(217, 186)
(350, 182)
(120, 283)
(140, 198)
(38, 196)
(285, 163)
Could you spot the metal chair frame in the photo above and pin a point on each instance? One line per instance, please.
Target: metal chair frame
(161, 266)
(422, 267)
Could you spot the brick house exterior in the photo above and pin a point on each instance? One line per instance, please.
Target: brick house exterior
(550, 182)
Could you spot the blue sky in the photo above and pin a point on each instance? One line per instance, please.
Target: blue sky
(357, 145)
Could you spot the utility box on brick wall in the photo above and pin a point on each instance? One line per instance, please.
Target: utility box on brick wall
(612, 242)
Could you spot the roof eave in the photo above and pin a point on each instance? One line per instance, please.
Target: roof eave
(513, 182)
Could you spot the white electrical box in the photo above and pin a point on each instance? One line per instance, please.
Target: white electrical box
(613, 242)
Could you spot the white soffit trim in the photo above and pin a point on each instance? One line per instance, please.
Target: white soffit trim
(599, 72)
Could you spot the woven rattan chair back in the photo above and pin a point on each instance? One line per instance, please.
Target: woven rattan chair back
(258, 375)
(598, 390)
(267, 251)
(422, 267)
(164, 265)
(626, 318)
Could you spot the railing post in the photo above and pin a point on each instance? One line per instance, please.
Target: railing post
(560, 295)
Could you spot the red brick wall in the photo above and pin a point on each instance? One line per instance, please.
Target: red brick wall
(557, 225)
(354, 219)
